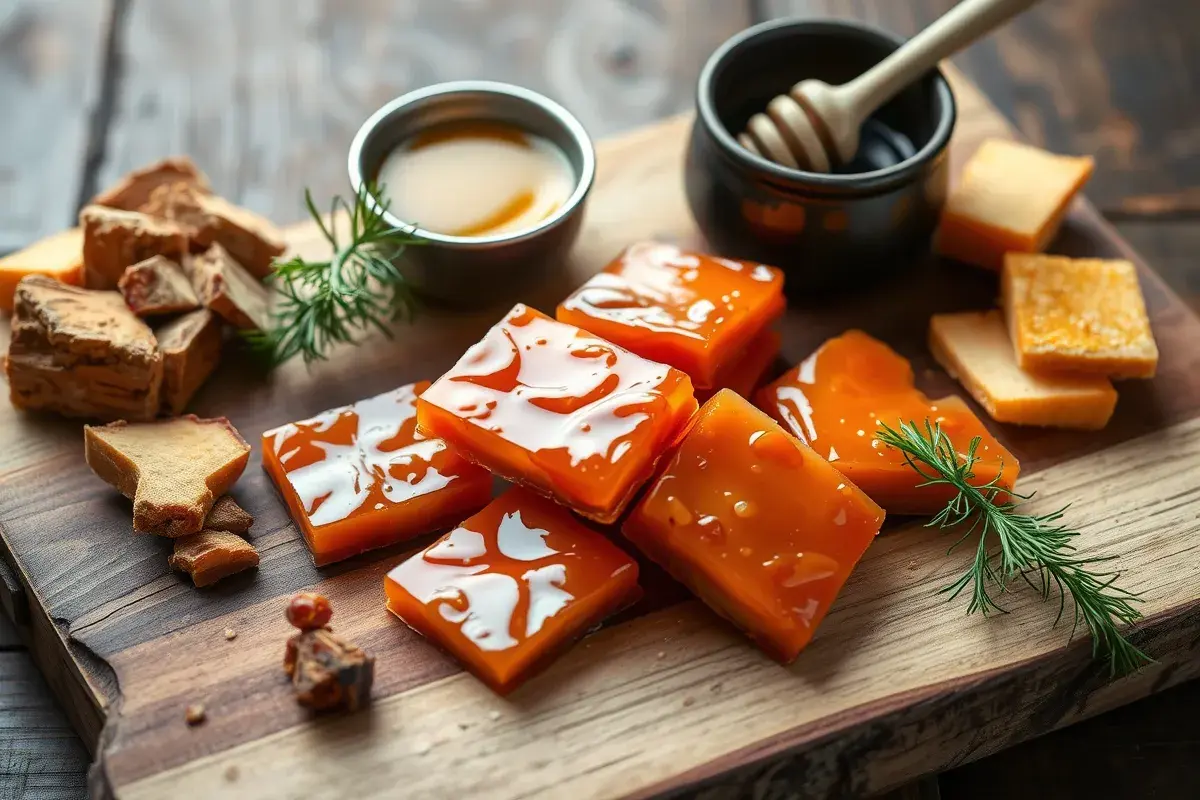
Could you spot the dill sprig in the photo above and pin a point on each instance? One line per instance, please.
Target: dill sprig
(1037, 549)
(323, 303)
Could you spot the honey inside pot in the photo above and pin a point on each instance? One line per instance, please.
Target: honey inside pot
(476, 179)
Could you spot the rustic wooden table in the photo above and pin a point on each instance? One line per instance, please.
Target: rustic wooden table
(265, 95)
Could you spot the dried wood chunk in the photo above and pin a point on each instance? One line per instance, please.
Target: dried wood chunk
(252, 240)
(59, 256)
(115, 239)
(327, 671)
(227, 288)
(209, 556)
(173, 470)
(191, 348)
(157, 285)
(134, 190)
(227, 515)
(81, 353)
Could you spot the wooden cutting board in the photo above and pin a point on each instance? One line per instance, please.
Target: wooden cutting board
(898, 681)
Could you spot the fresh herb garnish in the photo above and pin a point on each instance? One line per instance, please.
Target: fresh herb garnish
(1034, 548)
(324, 303)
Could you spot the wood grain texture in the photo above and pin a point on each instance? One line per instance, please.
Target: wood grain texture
(897, 680)
(266, 96)
(1147, 750)
(1104, 78)
(50, 56)
(40, 756)
(897, 683)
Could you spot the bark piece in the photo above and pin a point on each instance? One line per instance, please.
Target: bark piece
(81, 353)
(114, 240)
(173, 470)
(191, 348)
(209, 556)
(327, 671)
(227, 288)
(157, 285)
(252, 240)
(227, 515)
(134, 190)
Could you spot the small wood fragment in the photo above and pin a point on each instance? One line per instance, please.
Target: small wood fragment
(195, 714)
(157, 286)
(227, 515)
(328, 672)
(251, 240)
(225, 286)
(191, 349)
(81, 353)
(173, 470)
(209, 556)
(114, 240)
(134, 190)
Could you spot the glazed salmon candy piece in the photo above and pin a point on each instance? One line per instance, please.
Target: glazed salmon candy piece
(692, 311)
(835, 399)
(359, 477)
(744, 372)
(560, 411)
(760, 527)
(512, 586)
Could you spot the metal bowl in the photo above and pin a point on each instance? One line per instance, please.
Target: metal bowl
(474, 271)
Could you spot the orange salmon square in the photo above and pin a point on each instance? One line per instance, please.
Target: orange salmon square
(560, 411)
(834, 400)
(511, 587)
(754, 522)
(360, 477)
(693, 311)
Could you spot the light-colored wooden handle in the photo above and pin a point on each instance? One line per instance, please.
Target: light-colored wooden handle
(954, 30)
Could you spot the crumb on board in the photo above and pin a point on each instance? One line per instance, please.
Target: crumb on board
(688, 701)
(230, 634)
(194, 714)
(493, 715)
(231, 773)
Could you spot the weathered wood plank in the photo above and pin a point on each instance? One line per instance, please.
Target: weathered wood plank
(41, 758)
(50, 65)
(897, 682)
(9, 640)
(1172, 247)
(1144, 750)
(1108, 78)
(267, 95)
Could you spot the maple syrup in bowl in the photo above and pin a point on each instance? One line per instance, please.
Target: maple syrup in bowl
(492, 177)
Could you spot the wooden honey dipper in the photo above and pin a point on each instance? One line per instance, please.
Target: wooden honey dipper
(815, 126)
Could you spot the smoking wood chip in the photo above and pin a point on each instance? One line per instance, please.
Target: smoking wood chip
(81, 353)
(191, 348)
(227, 515)
(172, 469)
(227, 288)
(327, 671)
(115, 239)
(134, 190)
(252, 240)
(157, 285)
(209, 556)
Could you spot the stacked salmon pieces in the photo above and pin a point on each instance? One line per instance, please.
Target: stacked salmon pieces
(594, 418)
